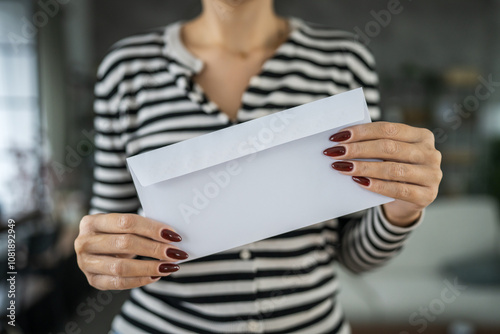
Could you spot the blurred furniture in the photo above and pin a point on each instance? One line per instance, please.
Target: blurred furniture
(459, 239)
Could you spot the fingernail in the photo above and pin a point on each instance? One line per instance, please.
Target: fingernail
(343, 166)
(170, 236)
(361, 180)
(155, 277)
(341, 136)
(168, 268)
(335, 151)
(177, 254)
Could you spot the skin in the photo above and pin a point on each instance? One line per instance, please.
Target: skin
(107, 244)
(410, 171)
(234, 38)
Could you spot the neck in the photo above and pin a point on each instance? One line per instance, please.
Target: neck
(239, 25)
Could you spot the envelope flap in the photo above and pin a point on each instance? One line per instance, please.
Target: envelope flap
(248, 138)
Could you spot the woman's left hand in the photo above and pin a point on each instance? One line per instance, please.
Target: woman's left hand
(410, 171)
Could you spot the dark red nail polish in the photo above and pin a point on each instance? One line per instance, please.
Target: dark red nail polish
(168, 268)
(341, 136)
(361, 180)
(336, 151)
(155, 277)
(343, 166)
(177, 254)
(170, 236)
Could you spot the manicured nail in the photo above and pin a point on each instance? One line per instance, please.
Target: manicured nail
(361, 180)
(343, 166)
(335, 151)
(155, 277)
(341, 136)
(170, 236)
(168, 268)
(177, 254)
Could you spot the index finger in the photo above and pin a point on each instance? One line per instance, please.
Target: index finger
(382, 130)
(118, 223)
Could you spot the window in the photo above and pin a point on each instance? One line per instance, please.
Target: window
(20, 140)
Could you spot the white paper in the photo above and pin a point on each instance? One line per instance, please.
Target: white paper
(254, 180)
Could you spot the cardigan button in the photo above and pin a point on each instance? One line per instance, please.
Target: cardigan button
(254, 326)
(245, 254)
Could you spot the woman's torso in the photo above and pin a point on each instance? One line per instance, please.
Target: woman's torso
(146, 99)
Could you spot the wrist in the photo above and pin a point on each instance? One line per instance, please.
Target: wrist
(400, 218)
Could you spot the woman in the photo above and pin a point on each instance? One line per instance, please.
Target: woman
(235, 62)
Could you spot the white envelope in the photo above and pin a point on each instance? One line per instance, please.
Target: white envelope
(254, 180)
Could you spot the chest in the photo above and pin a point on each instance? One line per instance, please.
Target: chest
(225, 76)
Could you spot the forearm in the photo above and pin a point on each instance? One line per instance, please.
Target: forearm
(370, 241)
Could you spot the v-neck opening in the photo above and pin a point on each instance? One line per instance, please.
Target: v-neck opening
(196, 93)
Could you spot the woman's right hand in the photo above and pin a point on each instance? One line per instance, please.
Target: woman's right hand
(107, 244)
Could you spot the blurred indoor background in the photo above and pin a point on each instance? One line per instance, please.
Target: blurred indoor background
(439, 64)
